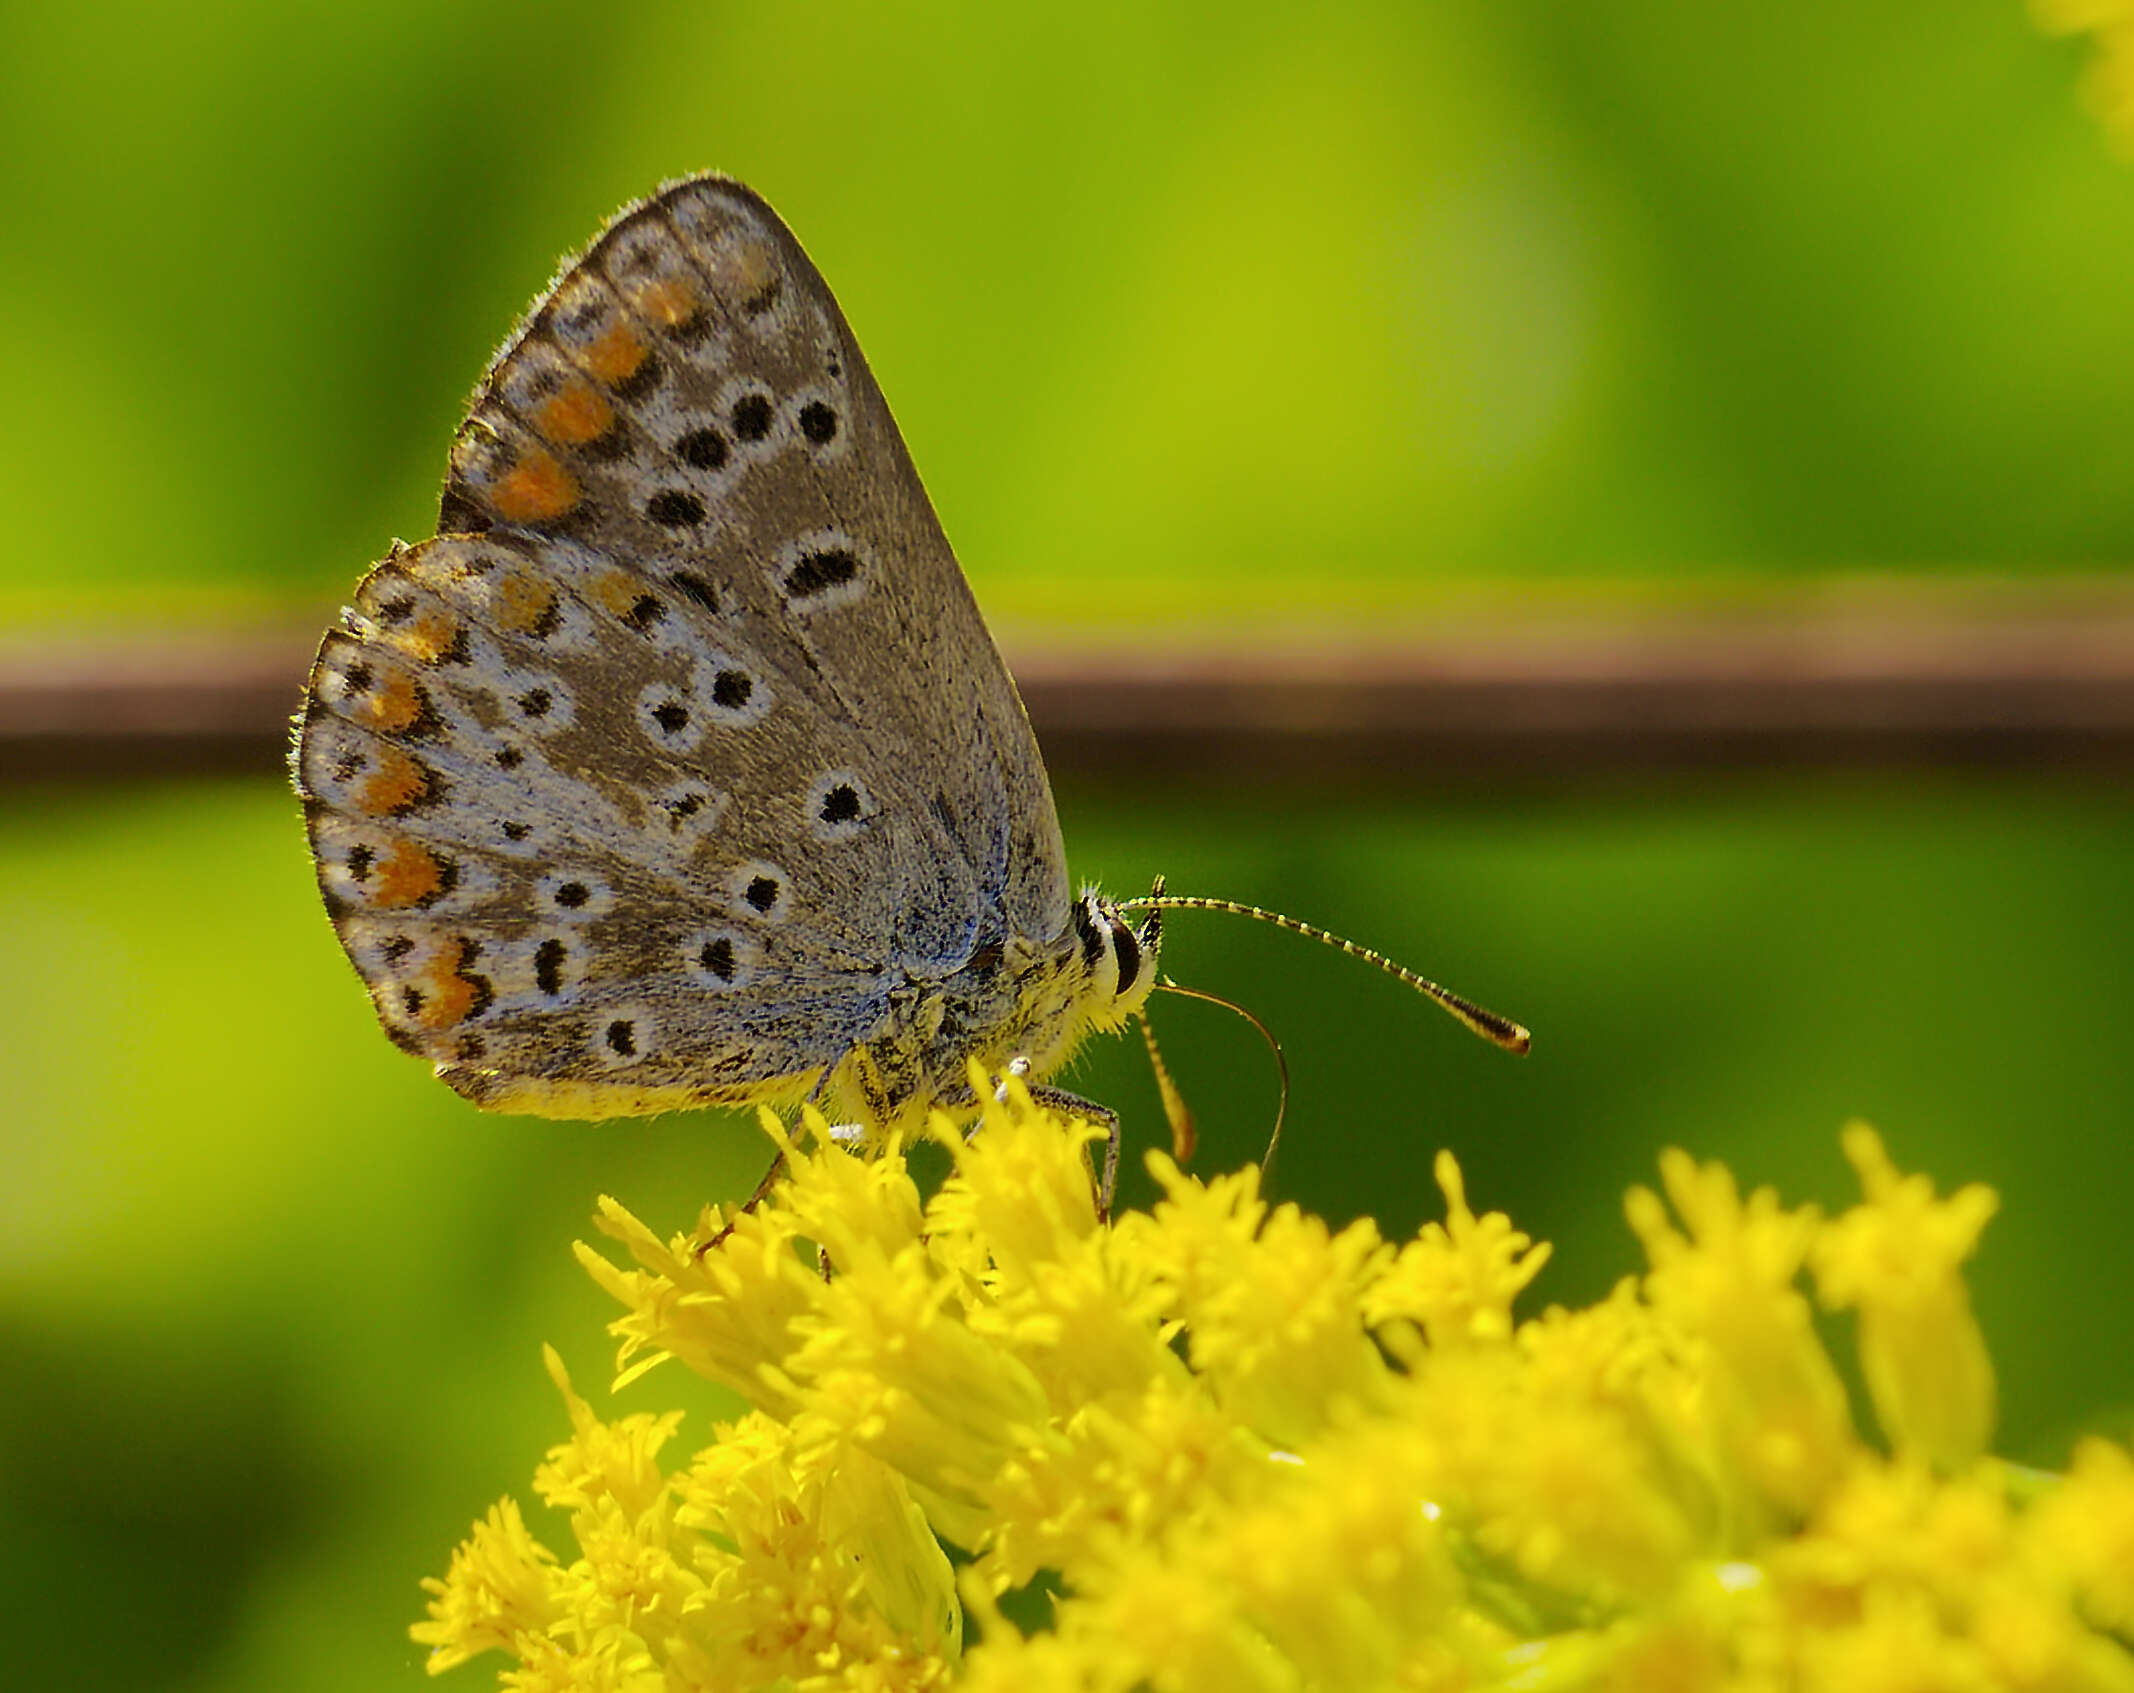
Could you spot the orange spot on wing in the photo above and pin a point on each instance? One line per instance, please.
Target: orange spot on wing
(535, 488)
(429, 637)
(447, 995)
(523, 602)
(397, 783)
(394, 703)
(618, 591)
(668, 301)
(408, 874)
(575, 415)
(615, 356)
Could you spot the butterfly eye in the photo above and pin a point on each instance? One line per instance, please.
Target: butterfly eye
(1127, 947)
(1121, 971)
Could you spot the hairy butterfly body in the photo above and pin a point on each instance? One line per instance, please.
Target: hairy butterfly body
(679, 768)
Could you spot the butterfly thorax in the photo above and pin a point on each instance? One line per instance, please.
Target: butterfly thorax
(1015, 1000)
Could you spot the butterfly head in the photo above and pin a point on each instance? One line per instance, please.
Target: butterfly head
(1119, 960)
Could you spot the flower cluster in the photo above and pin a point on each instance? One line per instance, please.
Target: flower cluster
(1219, 1445)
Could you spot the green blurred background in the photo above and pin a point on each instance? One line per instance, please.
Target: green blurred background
(1188, 312)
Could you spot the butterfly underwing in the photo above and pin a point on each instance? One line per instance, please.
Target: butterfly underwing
(679, 768)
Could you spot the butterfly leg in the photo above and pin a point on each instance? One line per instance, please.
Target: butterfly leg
(763, 1188)
(1074, 1105)
(1068, 1105)
(843, 1133)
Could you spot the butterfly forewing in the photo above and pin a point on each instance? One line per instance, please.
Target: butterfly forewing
(684, 744)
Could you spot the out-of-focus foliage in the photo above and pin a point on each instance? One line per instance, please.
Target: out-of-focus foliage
(1178, 305)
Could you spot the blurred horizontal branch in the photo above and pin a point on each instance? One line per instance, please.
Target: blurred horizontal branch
(1892, 677)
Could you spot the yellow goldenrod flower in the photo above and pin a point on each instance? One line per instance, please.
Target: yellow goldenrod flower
(1221, 1446)
(1457, 1279)
(1896, 1260)
(497, 1596)
(2084, 1532)
(1271, 1303)
(756, 1564)
(1777, 1409)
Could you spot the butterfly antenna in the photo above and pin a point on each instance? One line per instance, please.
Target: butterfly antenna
(1498, 1031)
(1281, 1064)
